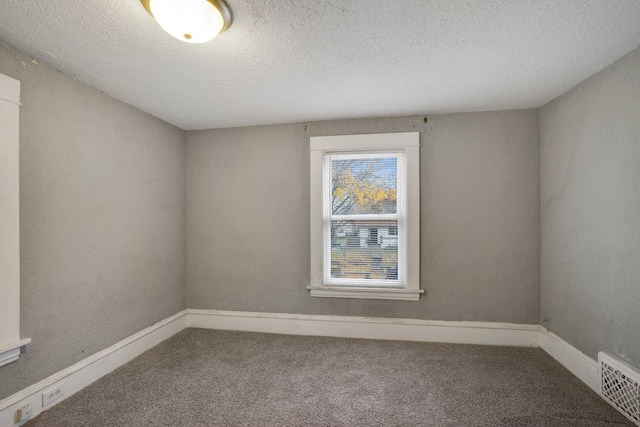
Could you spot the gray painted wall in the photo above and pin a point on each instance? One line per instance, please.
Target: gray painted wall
(248, 218)
(590, 194)
(102, 220)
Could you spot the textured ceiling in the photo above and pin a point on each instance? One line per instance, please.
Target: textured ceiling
(302, 60)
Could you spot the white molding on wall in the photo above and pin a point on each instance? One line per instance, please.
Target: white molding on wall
(85, 372)
(484, 333)
(10, 339)
(10, 352)
(371, 293)
(9, 89)
(578, 363)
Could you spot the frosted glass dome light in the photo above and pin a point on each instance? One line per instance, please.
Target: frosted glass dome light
(192, 21)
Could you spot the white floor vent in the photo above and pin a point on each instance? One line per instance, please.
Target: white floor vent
(620, 386)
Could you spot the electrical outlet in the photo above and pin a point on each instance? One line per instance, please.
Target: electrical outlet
(52, 394)
(23, 413)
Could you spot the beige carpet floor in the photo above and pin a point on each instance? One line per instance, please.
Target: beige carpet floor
(217, 378)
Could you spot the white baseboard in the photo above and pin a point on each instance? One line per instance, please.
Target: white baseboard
(484, 333)
(579, 364)
(85, 372)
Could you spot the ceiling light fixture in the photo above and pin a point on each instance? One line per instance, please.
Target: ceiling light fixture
(192, 21)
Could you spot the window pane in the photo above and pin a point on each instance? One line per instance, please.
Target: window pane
(364, 250)
(363, 184)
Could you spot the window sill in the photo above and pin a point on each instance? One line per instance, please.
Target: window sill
(10, 352)
(365, 293)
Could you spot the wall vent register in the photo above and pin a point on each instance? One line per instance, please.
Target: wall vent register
(620, 386)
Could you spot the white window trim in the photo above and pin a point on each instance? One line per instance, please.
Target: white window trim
(409, 143)
(10, 342)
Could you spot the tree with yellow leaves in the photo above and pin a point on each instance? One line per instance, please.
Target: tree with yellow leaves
(365, 186)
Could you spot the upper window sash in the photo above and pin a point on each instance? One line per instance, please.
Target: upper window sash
(327, 181)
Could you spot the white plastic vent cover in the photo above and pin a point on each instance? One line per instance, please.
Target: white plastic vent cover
(620, 386)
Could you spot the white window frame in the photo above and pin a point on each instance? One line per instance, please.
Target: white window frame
(406, 288)
(10, 342)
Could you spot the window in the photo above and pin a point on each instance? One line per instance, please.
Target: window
(365, 219)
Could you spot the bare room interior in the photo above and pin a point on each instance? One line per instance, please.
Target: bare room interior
(320, 212)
